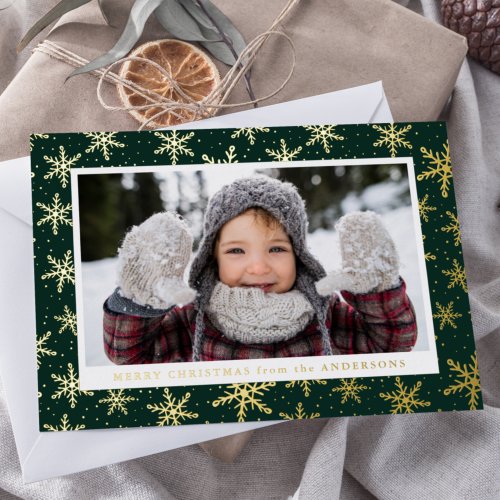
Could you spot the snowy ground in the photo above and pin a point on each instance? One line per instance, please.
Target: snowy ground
(98, 279)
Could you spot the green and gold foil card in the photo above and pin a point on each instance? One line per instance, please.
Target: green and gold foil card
(90, 189)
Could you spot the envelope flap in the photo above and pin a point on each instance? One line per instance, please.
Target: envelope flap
(353, 105)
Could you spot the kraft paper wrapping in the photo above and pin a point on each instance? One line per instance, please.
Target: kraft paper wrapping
(338, 43)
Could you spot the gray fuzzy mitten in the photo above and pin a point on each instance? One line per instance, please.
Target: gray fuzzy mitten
(370, 262)
(152, 261)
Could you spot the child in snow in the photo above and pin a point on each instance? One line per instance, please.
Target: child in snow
(255, 290)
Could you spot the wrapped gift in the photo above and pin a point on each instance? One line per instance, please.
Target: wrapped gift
(338, 44)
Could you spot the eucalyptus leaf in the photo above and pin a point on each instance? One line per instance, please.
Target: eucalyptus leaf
(210, 18)
(139, 14)
(197, 13)
(224, 23)
(220, 51)
(212, 38)
(55, 13)
(103, 12)
(174, 18)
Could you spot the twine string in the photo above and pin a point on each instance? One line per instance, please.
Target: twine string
(187, 106)
(208, 106)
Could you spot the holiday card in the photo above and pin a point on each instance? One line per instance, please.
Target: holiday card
(106, 358)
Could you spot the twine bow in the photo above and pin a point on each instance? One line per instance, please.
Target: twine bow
(206, 107)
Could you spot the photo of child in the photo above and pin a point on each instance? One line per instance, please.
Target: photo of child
(255, 290)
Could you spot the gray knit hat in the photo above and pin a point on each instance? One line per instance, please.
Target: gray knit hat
(284, 203)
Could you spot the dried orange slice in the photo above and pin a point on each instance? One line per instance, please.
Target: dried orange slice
(193, 71)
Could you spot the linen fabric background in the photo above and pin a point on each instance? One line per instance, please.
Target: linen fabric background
(449, 455)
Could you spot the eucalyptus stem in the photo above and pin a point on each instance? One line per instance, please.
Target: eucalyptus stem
(230, 46)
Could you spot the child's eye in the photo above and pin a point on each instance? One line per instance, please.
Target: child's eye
(235, 251)
(277, 249)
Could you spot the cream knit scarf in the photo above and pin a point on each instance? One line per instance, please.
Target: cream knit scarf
(251, 316)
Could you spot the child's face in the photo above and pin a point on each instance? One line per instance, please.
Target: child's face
(251, 254)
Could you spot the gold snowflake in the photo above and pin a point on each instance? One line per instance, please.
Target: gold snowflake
(245, 395)
(37, 136)
(41, 349)
(349, 389)
(117, 401)
(305, 385)
(61, 166)
(299, 414)
(67, 320)
(62, 270)
(456, 275)
(64, 426)
(323, 134)
(446, 315)
(172, 411)
(453, 227)
(424, 208)
(428, 255)
(284, 153)
(404, 400)
(249, 133)
(440, 166)
(174, 144)
(392, 138)
(467, 379)
(69, 386)
(55, 214)
(103, 142)
(230, 157)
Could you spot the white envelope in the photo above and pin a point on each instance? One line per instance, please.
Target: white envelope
(50, 454)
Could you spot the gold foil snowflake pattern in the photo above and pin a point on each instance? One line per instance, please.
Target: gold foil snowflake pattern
(466, 379)
(446, 315)
(284, 153)
(62, 270)
(350, 389)
(103, 142)
(55, 214)
(37, 136)
(249, 133)
(117, 400)
(69, 386)
(230, 157)
(61, 166)
(174, 144)
(172, 410)
(324, 135)
(64, 425)
(67, 320)
(42, 349)
(392, 138)
(453, 227)
(404, 399)
(243, 396)
(424, 208)
(299, 414)
(456, 276)
(439, 167)
(305, 385)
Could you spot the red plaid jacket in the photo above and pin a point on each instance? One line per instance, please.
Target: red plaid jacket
(373, 322)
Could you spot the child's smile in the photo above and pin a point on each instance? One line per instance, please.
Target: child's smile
(251, 254)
